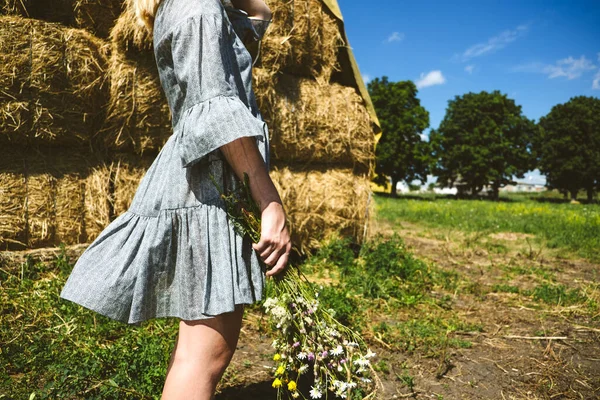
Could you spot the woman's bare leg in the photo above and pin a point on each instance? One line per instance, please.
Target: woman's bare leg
(202, 352)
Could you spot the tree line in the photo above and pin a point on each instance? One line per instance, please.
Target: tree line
(485, 140)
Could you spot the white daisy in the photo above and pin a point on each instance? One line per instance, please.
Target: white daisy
(337, 351)
(315, 393)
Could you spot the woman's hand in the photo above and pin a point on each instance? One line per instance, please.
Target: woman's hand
(275, 244)
(254, 8)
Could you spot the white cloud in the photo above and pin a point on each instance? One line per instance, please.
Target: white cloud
(470, 68)
(395, 37)
(366, 78)
(431, 79)
(570, 68)
(596, 81)
(494, 43)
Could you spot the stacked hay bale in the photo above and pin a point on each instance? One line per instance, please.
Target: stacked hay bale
(73, 114)
(96, 16)
(51, 196)
(82, 118)
(322, 139)
(52, 81)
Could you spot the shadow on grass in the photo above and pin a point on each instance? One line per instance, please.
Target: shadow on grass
(264, 390)
(555, 200)
(437, 197)
(260, 390)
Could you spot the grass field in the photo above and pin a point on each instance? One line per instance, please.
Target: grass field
(562, 226)
(459, 299)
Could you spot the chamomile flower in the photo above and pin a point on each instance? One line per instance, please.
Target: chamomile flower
(337, 351)
(315, 393)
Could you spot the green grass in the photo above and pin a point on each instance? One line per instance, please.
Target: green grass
(574, 227)
(56, 349)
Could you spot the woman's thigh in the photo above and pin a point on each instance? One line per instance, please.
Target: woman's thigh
(210, 338)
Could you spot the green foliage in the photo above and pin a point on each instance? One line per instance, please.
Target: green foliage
(385, 269)
(565, 226)
(400, 153)
(558, 295)
(484, 139)
(345, 307)
(56, 349)
(427, 334)
(569, 146)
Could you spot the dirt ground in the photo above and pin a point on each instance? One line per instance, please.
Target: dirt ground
(523, 351)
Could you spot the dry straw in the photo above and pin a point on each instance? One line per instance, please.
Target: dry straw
(52, 197)
(319, 202)
(138, 117)
(97, 16)
(304, 39)
(315, 123)
(52, 81)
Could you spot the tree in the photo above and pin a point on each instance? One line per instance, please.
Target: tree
(569, 146)
(400, 153)
(483, 140)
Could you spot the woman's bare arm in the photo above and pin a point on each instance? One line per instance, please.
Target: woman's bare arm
(274, 246)
(254, 8)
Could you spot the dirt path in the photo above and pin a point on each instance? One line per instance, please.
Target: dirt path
(526, 348)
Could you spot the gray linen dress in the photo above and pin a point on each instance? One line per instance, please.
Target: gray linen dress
(174, 252)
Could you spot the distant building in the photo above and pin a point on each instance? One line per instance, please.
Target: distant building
(524, 187)
(452, 190)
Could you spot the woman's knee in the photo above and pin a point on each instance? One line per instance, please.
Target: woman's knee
(211, 341)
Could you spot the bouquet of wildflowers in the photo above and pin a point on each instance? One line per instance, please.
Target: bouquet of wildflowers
(309, 338)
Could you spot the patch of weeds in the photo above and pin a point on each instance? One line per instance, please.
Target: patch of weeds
(429, 335)
(345, 307)
(385, 269)
(530, 270)
(407, 380)
(334, 253)
(558, 295)
(63, 350)
(382, 366)
(495, 247)
(503, 288)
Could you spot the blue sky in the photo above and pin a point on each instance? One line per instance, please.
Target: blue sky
(539, 53)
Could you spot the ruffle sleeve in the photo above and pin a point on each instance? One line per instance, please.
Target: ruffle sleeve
(213, 72)
(213, 123)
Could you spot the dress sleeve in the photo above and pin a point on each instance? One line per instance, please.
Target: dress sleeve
(209, 64)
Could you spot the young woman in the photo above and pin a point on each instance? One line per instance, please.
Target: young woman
(174, 253)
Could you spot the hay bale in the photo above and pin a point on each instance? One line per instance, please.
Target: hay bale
(40, 209)
(97, 16)
(49, 197)
(314, 123)
(128, 172)
(139, 119)
(321, 202)
(70, 210)
(97, 201)
(53, 83)
(128, 35)
(42, 200)
(138, 116)
(12, 207)
(304, 39)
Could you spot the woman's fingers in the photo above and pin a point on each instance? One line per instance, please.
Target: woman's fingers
(272, 258)
(280, 266)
